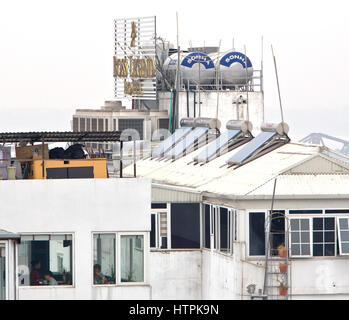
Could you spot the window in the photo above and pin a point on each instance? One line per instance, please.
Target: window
(104, 259)
(47, 259)
(224, 229)
(207, 233)
(324, 237)
(82, 124)
(163, 124)
(136, 124)
(257, 234)
(94, 124)
(219, 222)
(158, 234)
(300, 237)
(343, 235)
(277, 231)
(2, 271)
(305, 212)
(75, 124)
(332, 211)
(132, 258)
(88, 124)
(159, 205)
(100, 124)
(185, 225)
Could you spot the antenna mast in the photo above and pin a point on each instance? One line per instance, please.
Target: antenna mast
(248, 113)
(277, 80)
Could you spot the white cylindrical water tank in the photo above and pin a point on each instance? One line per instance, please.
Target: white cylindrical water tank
(189, 68)
(232, 68)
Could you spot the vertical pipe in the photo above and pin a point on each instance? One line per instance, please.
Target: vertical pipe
(121, 147)
(170, 114)
(248, 113)
(42, 157)
(134, 159)
(194, 104)
(187, 90)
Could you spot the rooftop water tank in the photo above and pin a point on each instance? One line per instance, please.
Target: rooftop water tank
(232, 67)
(189, 68)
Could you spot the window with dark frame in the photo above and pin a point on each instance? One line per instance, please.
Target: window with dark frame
(207, 230)
(256, 234)
(324, 236)
(224, 229)
(185, 225)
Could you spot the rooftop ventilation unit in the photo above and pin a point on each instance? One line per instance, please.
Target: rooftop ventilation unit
(237, 133)
(272, 137)
(202, 134)
(187, 124)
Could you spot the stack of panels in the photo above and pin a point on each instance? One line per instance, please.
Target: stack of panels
(217, 146)
(185, 145)
(171, 141)
(251, 147)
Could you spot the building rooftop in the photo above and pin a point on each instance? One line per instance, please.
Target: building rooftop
(303, 170)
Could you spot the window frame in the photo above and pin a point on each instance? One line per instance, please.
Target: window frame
(339, 236)
(215, 228)
(118, 234)
(118, 281)
(158, 240)
(115, 262)
(72, 285)
(310, 237)
(7, 284)
(247, 228)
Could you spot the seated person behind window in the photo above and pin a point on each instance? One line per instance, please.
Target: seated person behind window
(98, 277)
(51, 281)
(34, 274)
(67, 278)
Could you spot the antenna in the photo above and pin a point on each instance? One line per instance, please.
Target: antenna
(177, 78)
(248, 113)
(262, 74)
(277, 81)
(217, 76)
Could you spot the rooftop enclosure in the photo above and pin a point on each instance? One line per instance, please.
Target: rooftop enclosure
(77, 211)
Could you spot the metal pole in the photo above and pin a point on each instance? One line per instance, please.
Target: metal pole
(121, 147)
(134, 159)
(248, 113)
(178, 76)
(42, 157)
(277, 81)
(217, 77)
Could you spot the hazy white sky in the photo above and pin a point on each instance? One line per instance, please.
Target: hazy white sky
(57, 55)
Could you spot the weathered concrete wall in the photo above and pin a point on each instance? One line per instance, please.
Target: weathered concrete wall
(175, 274)
(227, 109)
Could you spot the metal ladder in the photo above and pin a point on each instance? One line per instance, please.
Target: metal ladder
(277, 264)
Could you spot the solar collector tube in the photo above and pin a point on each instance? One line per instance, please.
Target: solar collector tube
(216, 146)
(184, 145)
(251, 147)
(171, 141)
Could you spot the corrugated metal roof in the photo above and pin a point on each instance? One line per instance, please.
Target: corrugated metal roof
(305, 185)
(252, 179)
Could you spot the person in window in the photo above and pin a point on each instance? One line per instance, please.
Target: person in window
(98, 277)
(51, 281)
(34, 274)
